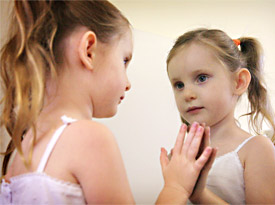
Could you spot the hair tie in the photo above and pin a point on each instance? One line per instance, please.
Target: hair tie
(237, 42)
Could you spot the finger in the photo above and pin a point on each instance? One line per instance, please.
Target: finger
(180, 139)
(201, 161)
(206, 168)
(210, 161)
(190, 136)
(163, 158)
(195, 144)
(205, 141)
(206, 137)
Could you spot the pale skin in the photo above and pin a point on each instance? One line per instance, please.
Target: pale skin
(93, 83)
(199, 79)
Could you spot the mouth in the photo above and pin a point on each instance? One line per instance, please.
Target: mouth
(194, 109)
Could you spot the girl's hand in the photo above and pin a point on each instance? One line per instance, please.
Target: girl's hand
(181, 172)
(200, 190)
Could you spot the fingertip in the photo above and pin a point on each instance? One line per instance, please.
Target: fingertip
(183, 127)
(163, 151)
(208, 150)
(200, 129)
(194, 126)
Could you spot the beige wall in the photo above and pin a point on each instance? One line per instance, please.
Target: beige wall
(4, 19)
(4, 14)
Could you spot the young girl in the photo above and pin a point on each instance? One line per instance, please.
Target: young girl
(209, 72)
(65, 63)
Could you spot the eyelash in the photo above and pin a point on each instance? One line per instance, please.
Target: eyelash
(176, 84)
(126, 60)
(179, 83)
(201, 75)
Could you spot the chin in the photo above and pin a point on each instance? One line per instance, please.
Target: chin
(200, 121)
(105, 114)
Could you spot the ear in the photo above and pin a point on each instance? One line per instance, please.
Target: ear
(242, 81)
(86, 49)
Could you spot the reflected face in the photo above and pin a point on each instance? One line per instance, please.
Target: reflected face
(112, 80)
(202, 86)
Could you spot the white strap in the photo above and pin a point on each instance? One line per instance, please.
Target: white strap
(66, 120)
(243, 143)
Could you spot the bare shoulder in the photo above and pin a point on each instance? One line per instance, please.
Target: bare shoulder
(86, 141)
(259, 146)
(97, 164)
(258, 152)
(259, 169)
(87, 128)
(85, 133)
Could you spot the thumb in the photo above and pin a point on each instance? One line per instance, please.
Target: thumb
(163, 159)
(210, 161)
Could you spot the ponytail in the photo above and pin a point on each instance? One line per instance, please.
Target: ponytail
(260, 105)
(33, 53)
(26, 58)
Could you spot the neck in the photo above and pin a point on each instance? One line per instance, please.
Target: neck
(226, 131)
(66, 99)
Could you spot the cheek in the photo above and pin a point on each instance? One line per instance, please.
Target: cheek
(179, 102)
(220, 99)
(120, 82)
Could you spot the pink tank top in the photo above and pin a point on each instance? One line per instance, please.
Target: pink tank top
(40, 188)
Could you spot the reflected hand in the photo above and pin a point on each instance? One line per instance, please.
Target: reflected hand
(182, 171)
(200, 187)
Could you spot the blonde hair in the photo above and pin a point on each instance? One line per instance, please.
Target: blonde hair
(32, 54)
(249, 56)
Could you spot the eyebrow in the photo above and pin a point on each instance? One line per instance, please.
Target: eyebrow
(195, 72)
(174, 79)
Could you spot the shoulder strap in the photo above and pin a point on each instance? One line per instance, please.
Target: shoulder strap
(66, 120)
(243, 143)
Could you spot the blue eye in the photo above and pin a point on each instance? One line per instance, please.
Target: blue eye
(179, 85)
(202, 78)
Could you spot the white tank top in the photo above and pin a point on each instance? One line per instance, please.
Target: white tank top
(40, 188)
(226, 177)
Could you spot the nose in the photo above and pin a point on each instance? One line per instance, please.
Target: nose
(128, 85)
(189, 94)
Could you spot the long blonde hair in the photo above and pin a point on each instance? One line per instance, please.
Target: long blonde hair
(249, 56)
(32, 53)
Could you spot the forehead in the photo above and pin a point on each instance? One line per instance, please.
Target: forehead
(121, 44)
(125, 40)
(192, 57)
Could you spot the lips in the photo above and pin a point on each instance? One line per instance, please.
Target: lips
(194, 109)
